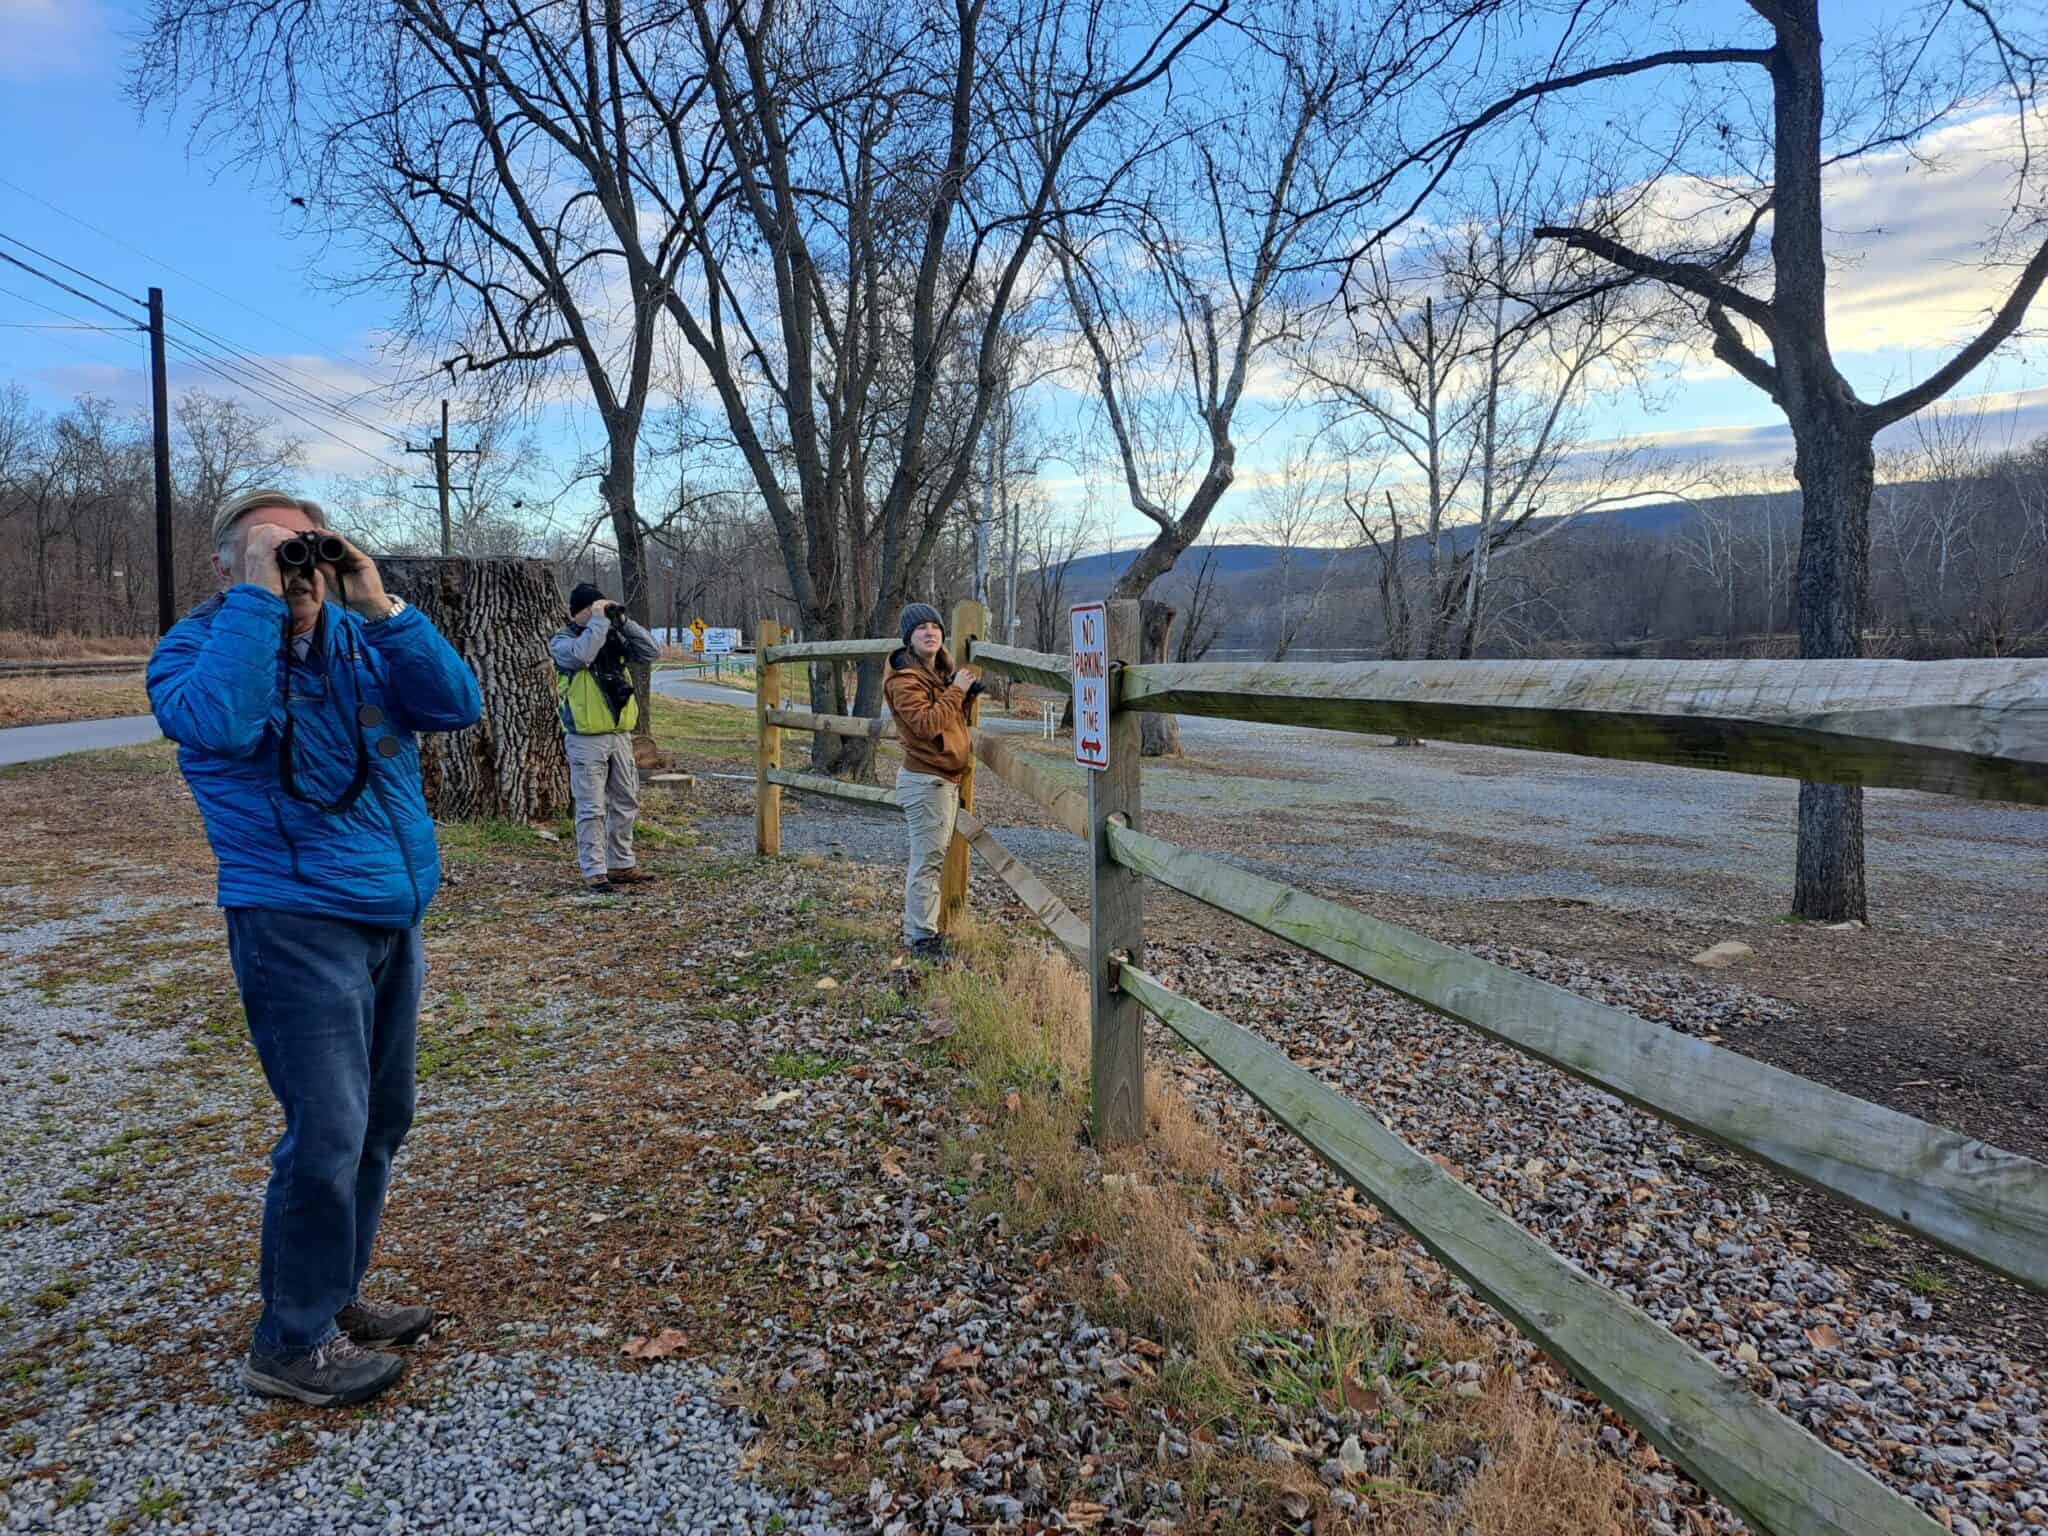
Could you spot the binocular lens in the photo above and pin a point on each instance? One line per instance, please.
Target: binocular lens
(312, 549)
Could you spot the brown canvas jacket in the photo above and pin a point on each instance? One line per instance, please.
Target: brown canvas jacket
(931, 715)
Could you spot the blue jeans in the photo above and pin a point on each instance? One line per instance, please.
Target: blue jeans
(333, 1008)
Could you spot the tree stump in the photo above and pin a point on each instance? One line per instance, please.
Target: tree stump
(498, 614)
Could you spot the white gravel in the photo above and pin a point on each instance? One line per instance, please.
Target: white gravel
(89, 1436)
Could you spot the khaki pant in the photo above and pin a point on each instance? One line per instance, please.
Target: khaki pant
(606, 787)
(929, 805)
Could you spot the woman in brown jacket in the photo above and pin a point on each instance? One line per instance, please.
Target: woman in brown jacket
(928, 697)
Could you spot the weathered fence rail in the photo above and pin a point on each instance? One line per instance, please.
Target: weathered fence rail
(1975, 729)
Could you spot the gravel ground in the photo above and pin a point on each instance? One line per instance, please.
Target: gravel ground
(1956, 1426)
(111, 1411)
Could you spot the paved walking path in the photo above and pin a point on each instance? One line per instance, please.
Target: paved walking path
(32, 743)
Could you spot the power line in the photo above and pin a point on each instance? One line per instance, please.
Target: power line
(277, 370)
(58, 261)
(229, 355)
(212, 365)
(59, 282)
(274, 371)
(156, 260)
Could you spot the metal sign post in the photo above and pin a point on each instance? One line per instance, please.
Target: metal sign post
(1091, 685)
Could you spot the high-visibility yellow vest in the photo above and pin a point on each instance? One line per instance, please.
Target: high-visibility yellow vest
(586, 711)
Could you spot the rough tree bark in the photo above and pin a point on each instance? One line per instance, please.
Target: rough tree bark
(1160, 734)
(498, 615)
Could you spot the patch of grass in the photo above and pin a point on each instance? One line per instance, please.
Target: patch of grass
(58, 1293)
(51, 700)
(76, 1494)
(806, 1067)
(155, 1502)
(1927, 1283)
(1263, 1328)
(477, 842)
(718, 733)
(1874, 1237)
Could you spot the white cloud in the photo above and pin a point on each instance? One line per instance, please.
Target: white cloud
(40, 39)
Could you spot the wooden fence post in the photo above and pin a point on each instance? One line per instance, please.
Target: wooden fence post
(768, 741)
(970, 620)
(1116, 913)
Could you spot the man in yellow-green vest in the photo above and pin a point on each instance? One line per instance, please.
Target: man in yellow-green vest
(591, 653)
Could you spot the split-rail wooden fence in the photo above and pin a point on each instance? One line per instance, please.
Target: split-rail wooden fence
(1977, 729)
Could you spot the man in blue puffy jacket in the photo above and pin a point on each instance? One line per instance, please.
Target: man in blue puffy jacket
(296, 720)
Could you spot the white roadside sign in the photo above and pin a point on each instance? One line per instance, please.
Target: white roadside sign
(721, 642)
(1091, 685)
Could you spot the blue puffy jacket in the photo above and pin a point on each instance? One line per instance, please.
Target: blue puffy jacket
(216, 687)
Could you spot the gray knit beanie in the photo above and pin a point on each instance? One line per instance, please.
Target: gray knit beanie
(919, 613)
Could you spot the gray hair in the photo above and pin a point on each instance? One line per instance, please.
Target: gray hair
(235, 508)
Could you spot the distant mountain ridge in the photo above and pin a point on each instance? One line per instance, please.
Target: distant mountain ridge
(1092, 575)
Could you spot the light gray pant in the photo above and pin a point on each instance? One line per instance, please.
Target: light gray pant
(606, 786)
(929, 805)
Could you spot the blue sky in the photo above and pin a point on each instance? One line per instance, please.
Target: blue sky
(92, 186)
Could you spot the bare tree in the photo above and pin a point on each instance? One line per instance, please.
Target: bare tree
(1179, 300)
(1203, 625)
(484, 159)
(1053, 540)
(1757, 123)
(1471, 363)
(1299, 512)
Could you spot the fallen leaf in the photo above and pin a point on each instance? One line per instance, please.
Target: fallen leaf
(660, 1347)
(892, 1162)
(1823, 1337)
(958, 1359)
(827, 984)
(1013, 1101)
(1119, 1284)
(1085, 1515)
(769, 1101)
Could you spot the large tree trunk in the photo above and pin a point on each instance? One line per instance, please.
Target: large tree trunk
(1836, 469)
(618, 487)
(498, 614)
(1160, 734)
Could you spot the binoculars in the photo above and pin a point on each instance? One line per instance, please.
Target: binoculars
(310, 549)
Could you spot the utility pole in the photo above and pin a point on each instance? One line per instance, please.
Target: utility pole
(440, 450)
(159, 399)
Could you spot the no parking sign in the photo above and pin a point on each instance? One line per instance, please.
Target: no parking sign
(1091, 685)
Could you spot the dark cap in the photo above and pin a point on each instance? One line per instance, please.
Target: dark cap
(915, 614)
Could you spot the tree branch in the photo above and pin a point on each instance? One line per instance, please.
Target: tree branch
(1957, 368)
(1691, 276)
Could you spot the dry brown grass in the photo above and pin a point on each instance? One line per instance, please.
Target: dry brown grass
(1163, 1255)
(49, 700)
(60, 645)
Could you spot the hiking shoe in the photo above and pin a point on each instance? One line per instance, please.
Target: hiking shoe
(384, 1327)
(632, 874)
(933, 951)
(338, 1374)
(599, 887)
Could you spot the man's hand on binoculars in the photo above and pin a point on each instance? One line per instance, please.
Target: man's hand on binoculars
(259, 555)
(362, 583)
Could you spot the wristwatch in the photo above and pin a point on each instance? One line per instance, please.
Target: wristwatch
(398, 606)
